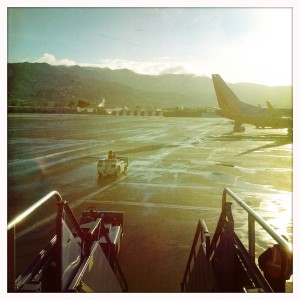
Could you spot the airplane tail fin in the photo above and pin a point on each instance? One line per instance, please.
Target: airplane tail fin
(227, 100)
(271, 109)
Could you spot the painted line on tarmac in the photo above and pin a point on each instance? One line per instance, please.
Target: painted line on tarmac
(53, 155)
(91, 195)
(73, 205)
(156, 205)
(167, 185)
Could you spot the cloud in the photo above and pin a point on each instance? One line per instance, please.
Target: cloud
(51, 60)
(159, 66)
(156, 67)
(175, 70)
(204, 66)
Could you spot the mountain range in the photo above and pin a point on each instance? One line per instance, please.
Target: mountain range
(41, 84)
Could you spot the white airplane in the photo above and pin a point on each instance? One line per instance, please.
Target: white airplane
(232, 108)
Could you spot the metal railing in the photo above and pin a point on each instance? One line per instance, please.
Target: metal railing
(32, 208)
(63, 211)
(201, 231)
(226, 220)
(11, 229)
(118, 271)
(252, 218)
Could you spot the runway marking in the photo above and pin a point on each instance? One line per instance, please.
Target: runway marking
(168, 185)
(155, 205)
(52, 155)
(72, 205)
(91, 195)
(88, 199)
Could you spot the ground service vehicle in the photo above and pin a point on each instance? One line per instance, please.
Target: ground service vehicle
(112, 166)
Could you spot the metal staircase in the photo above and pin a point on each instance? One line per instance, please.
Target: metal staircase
(223, 264)
(73, 260)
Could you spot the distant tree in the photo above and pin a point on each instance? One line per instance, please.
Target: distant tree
(72, 103)
(82, 104)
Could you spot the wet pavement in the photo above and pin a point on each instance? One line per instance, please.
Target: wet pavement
(178, 168)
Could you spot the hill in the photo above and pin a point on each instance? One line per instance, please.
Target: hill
(40, 84)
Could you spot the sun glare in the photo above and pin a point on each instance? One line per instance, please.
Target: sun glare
(280, 217)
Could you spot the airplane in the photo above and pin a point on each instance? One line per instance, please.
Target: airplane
(231, 107)
(279, 112)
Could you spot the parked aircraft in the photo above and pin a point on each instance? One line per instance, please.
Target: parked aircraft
(231, 107)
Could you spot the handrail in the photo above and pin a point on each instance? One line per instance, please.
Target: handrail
(11, 269)
(225, 213)
(112, 249)
(253, 216)
(63, 209)
(35, 265)
(32, 208)
(224, 232)
(200, 231)
(225, 228)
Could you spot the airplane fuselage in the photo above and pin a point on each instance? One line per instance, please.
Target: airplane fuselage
(259, 117)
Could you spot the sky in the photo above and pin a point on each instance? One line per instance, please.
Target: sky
(240, 44)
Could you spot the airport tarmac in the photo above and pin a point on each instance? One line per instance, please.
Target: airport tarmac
(178, 168)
